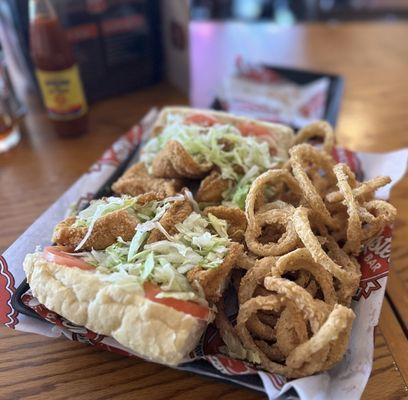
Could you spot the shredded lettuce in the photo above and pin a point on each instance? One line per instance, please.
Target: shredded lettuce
(199, 242)
(135, 244)
(219, 225)
(97, 209)
(222, 145)
(148, 266)
(101, 207)
(238, 193)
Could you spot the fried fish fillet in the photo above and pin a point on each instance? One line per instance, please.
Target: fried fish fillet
(104, 233)
(235, 218)
(214, 281)
(106, 229)
(176, 214)
(148, 197)
(173, 161)
(137, 180)
(212, 187)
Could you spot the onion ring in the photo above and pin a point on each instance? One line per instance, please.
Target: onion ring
(300, 155)
(354, 229)
(291, 330)
(339, 320)
(271, 351)
(363, 190)
(376, 214)
(308, 306)
(271, 177)
(248, 309)
(246, 261)
(252, 280)
(254, 277)
(274, 217)
(301, 259)
(293, 316)
(345, 272)
(321, 129)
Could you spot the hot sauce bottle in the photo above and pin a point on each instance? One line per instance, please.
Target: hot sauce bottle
(56, 70)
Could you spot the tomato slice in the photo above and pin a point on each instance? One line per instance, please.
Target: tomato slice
(187, 307)
(57, 255)
(200, 119)
(251, 129)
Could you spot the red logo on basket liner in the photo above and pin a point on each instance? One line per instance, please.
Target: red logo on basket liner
(374, 262)
(113, 155)
(83, 200)
(277, 380)
(79, 333)
(120, 149)
(8, 316)
(40, 309)
(348, 157)
(230, 366)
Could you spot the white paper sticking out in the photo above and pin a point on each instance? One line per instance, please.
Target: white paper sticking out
(393, 164)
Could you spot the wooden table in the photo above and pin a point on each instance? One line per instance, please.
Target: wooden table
(371, 56)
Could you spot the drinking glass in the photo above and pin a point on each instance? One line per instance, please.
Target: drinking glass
(10, 111)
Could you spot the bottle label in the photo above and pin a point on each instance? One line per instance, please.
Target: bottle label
(63, 93)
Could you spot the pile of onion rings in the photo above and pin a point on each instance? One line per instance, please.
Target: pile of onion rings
(306, 224)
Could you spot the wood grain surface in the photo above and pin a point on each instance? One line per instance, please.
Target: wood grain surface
(371, 56)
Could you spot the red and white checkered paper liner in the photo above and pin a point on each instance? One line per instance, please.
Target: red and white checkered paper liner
(346, 380)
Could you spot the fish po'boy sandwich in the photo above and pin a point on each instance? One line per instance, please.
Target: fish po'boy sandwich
(144, 270)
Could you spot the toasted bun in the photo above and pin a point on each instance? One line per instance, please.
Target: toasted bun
(151, 330)
(281, 135)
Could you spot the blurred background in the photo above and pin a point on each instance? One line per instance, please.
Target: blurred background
(218, 52)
